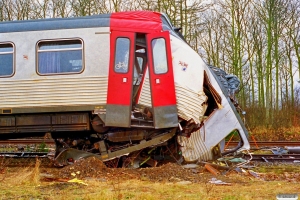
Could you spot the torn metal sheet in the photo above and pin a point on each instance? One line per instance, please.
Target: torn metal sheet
(218, 182)
(280, 151)
(254, 174)
(190, 166)
(237, 160)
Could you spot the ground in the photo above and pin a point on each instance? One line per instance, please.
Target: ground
(92, 179)
(171, 172)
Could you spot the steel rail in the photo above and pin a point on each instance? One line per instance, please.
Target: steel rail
(23, 154)
(27, 141)
(266, 143)
(231, 143)
(295, 158)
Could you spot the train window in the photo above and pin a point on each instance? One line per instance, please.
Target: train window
(60, 57)
(6, 59)
(122, 55)
(159, 56)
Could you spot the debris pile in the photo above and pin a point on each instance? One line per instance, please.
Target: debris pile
(89, 167)
(94, 168)
(210, 173)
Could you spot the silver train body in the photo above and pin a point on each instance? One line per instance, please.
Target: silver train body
(112, 84)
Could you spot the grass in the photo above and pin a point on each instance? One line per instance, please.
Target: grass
(135, 189)
(280, 134)
(280, 169)
(24, 183)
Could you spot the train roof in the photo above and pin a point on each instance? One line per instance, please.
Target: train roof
(139, 21)
(55, 23)
(136, 21)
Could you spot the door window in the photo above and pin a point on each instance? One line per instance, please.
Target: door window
(122, 55)
(159, 56)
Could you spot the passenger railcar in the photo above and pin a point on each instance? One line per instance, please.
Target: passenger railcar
(112, 84)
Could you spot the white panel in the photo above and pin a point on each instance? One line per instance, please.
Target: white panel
(53, 92)
(190, 105)
(145, 96)
(188, 67)
(194, 148)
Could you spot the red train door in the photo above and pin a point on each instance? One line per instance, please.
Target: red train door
(120, 78)
(162, 80)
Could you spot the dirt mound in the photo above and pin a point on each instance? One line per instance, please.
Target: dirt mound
(170, 172)
(95, 168)
(89, 167)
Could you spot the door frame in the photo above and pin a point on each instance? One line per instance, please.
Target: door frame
(120, 84)
(162, 83)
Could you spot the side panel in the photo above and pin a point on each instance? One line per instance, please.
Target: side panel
(41, 123)
(28, 92)
(120, 79)
(162, 80)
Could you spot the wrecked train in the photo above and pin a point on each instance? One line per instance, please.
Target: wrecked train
(114, 85)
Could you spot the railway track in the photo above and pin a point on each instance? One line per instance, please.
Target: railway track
(229, 144)
(277, 156)
(295, 158)
(27, 141)
(260, 144)
(25, 151)
(284, 158)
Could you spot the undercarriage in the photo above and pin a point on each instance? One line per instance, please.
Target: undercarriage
(125, 148)
(82, 134)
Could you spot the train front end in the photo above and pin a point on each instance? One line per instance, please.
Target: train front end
(207, 111)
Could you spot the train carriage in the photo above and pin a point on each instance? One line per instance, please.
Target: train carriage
(111, 85)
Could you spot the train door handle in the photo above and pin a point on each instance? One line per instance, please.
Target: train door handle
(124, 79)
(157, 81)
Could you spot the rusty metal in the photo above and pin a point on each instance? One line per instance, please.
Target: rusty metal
(211, 169)
(122, 136)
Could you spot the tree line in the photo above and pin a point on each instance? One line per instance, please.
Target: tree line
(257, 40)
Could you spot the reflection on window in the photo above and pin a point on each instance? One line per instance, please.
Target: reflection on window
(6, 59)
(159, 56)
(137, 74)
(122, 55)
(63, 56)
